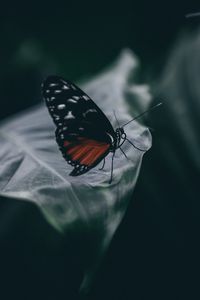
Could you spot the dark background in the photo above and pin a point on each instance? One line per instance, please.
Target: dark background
(78, 39)
(150, 257)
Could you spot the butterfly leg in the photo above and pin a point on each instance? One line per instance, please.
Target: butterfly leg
(143, 150)
(103, 164)
(124, 154)
(111, 175)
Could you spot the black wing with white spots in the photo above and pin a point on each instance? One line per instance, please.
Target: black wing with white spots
(84, 134)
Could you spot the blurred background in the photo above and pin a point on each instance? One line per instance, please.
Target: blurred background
(79, 39)
(155, 252)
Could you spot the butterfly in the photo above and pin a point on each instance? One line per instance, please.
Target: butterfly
(83, 133)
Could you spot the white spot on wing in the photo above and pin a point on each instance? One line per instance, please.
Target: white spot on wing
(76, 97)
(65, 87)
(57, 91)
(51, 108)
(63, 81)
(71, 100)
(85, 97)
(53, 84)
(61, 106)
(89, 111)
(69, 116)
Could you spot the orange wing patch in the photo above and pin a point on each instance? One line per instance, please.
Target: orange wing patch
(86, 151)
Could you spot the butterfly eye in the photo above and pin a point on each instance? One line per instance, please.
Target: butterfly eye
(123, 135)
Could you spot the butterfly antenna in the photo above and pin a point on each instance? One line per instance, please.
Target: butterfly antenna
(116, 118)
(145, 112)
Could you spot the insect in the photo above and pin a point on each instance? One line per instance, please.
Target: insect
(84, 134)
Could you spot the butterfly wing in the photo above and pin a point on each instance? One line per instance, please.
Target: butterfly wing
(84, 134)
(83, 153)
